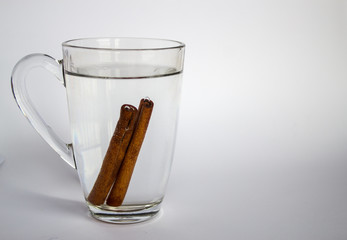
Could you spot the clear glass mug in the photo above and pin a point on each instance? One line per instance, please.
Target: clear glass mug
(123, 98)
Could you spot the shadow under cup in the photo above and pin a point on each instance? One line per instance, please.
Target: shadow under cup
(123, 99)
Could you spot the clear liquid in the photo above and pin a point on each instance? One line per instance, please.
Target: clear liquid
(94, 109)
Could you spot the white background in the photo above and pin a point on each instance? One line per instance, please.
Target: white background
(261, 147)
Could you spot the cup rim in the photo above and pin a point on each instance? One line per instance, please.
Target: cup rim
(72, 44)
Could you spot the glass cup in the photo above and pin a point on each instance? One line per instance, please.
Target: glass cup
(123, 98)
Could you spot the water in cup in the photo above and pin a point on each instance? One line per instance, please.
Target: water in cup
(94, 109)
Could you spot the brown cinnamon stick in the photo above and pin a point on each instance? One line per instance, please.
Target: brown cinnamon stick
(120, 187)
(114, 155)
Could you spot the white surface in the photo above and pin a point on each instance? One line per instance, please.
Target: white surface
(261, 148)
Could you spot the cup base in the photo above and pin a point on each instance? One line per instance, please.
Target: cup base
(125, 214)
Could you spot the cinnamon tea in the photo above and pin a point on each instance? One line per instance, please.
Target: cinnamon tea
(94, 105)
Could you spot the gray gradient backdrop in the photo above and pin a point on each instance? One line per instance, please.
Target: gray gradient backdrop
(261, 148)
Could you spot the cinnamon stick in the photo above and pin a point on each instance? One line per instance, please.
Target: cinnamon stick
(114, 155)
(120, 187)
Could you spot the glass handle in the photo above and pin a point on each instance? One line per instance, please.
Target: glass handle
(20, 93)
